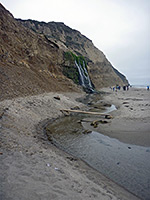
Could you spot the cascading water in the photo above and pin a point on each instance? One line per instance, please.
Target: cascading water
(84, 77)
(80, 74)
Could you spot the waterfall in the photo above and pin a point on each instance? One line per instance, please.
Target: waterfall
(80, 73)
(84, 76)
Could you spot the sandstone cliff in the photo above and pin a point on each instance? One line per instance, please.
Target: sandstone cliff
(29, 63)
(101, 71)
(32, 58)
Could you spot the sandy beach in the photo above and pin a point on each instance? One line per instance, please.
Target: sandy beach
(131, 120)
(32, 168)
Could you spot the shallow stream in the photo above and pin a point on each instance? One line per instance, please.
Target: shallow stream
(127, 165)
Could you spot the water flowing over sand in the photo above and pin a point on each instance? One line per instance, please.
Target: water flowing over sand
(126, 164)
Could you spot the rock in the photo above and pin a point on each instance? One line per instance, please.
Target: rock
(107, 104)
(94, 124)
(57, 97)
(86, 132)
(49, 137)
(108, 117)
(1, 114)
(71, 158)
(125, 102)
(103, 121)
(75, 108)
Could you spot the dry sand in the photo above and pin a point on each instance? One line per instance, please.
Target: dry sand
(131, 120)
(32, 168)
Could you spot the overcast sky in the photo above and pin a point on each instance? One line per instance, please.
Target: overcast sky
(119, 28)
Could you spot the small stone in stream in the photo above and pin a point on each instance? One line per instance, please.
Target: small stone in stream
(94, 124)
(129, 147)
(118, 163)
(57, 97)
(108, 117)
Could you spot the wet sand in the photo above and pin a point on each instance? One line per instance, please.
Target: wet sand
(131, 120)
(32, 168)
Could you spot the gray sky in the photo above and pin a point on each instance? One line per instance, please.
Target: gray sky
(119, 28)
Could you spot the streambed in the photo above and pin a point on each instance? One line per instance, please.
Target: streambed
(126, 164)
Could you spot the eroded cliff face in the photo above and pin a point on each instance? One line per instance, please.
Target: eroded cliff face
(32, 58)
(29, 63)
(101, 71)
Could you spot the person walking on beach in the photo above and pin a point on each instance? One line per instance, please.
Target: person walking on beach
(124, 87)
(148, 87)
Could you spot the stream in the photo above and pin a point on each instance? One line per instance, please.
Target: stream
(127, 165)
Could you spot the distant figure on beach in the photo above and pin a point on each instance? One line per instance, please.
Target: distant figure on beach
(124, 88)
(148, 87)
(117, 87)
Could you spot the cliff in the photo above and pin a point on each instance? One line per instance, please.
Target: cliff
(100, 69)
(33, 58)
(29, 63)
